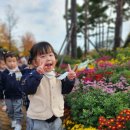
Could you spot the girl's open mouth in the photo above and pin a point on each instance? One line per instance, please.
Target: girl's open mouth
(48, 65)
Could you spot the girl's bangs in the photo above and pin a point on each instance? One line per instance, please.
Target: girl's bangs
(45, 50)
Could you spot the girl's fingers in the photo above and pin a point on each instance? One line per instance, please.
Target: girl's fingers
(42, 63)
(75, 68)
(39, 69)
(69, 67)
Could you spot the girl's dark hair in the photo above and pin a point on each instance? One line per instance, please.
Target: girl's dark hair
(9, 54)
(39, 49)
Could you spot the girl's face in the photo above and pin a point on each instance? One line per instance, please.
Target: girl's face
(48, 60)
(11, 62)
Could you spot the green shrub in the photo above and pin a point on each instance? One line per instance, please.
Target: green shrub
(87, 107)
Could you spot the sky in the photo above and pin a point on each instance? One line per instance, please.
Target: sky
(44, 19)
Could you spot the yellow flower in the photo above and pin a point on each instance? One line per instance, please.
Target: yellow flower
(90, 128)
(91, 66)
(114, 61)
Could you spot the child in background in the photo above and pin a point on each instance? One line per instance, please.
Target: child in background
(10, 85)
(45, 90)
(22, 62)
(2, 68)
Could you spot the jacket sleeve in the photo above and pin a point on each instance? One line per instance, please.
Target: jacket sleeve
(67, 85)
(1, 87)
(31, 82)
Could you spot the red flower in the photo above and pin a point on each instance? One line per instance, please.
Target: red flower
(98, 77)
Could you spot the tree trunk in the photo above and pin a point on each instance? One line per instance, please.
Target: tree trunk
(67, 26)
(73, 25)
(103, 43)
(118, 24)
(100, 35)
(85, 28)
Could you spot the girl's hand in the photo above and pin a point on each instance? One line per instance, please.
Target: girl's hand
(71, 72)
(41, 68)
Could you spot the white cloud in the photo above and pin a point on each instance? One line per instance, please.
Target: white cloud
(43, 18)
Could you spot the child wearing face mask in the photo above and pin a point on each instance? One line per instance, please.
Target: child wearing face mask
(10, 85)
(45, 91)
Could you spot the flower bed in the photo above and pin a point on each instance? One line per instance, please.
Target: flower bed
(101, 99)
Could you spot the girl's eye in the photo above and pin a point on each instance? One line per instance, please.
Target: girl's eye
(51, 54)
(42, 56)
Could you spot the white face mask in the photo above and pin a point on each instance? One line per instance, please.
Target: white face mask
(63, 76)
(50, 74)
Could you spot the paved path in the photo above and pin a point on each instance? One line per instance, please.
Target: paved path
(5, 123)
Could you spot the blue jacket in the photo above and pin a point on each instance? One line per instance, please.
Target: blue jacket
(32, 81)
(1, 91)
(26, 72)
(10, 86)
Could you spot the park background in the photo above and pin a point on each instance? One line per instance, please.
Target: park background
(96, 38)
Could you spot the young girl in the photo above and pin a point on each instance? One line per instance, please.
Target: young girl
(10, 85)
(45, 90)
